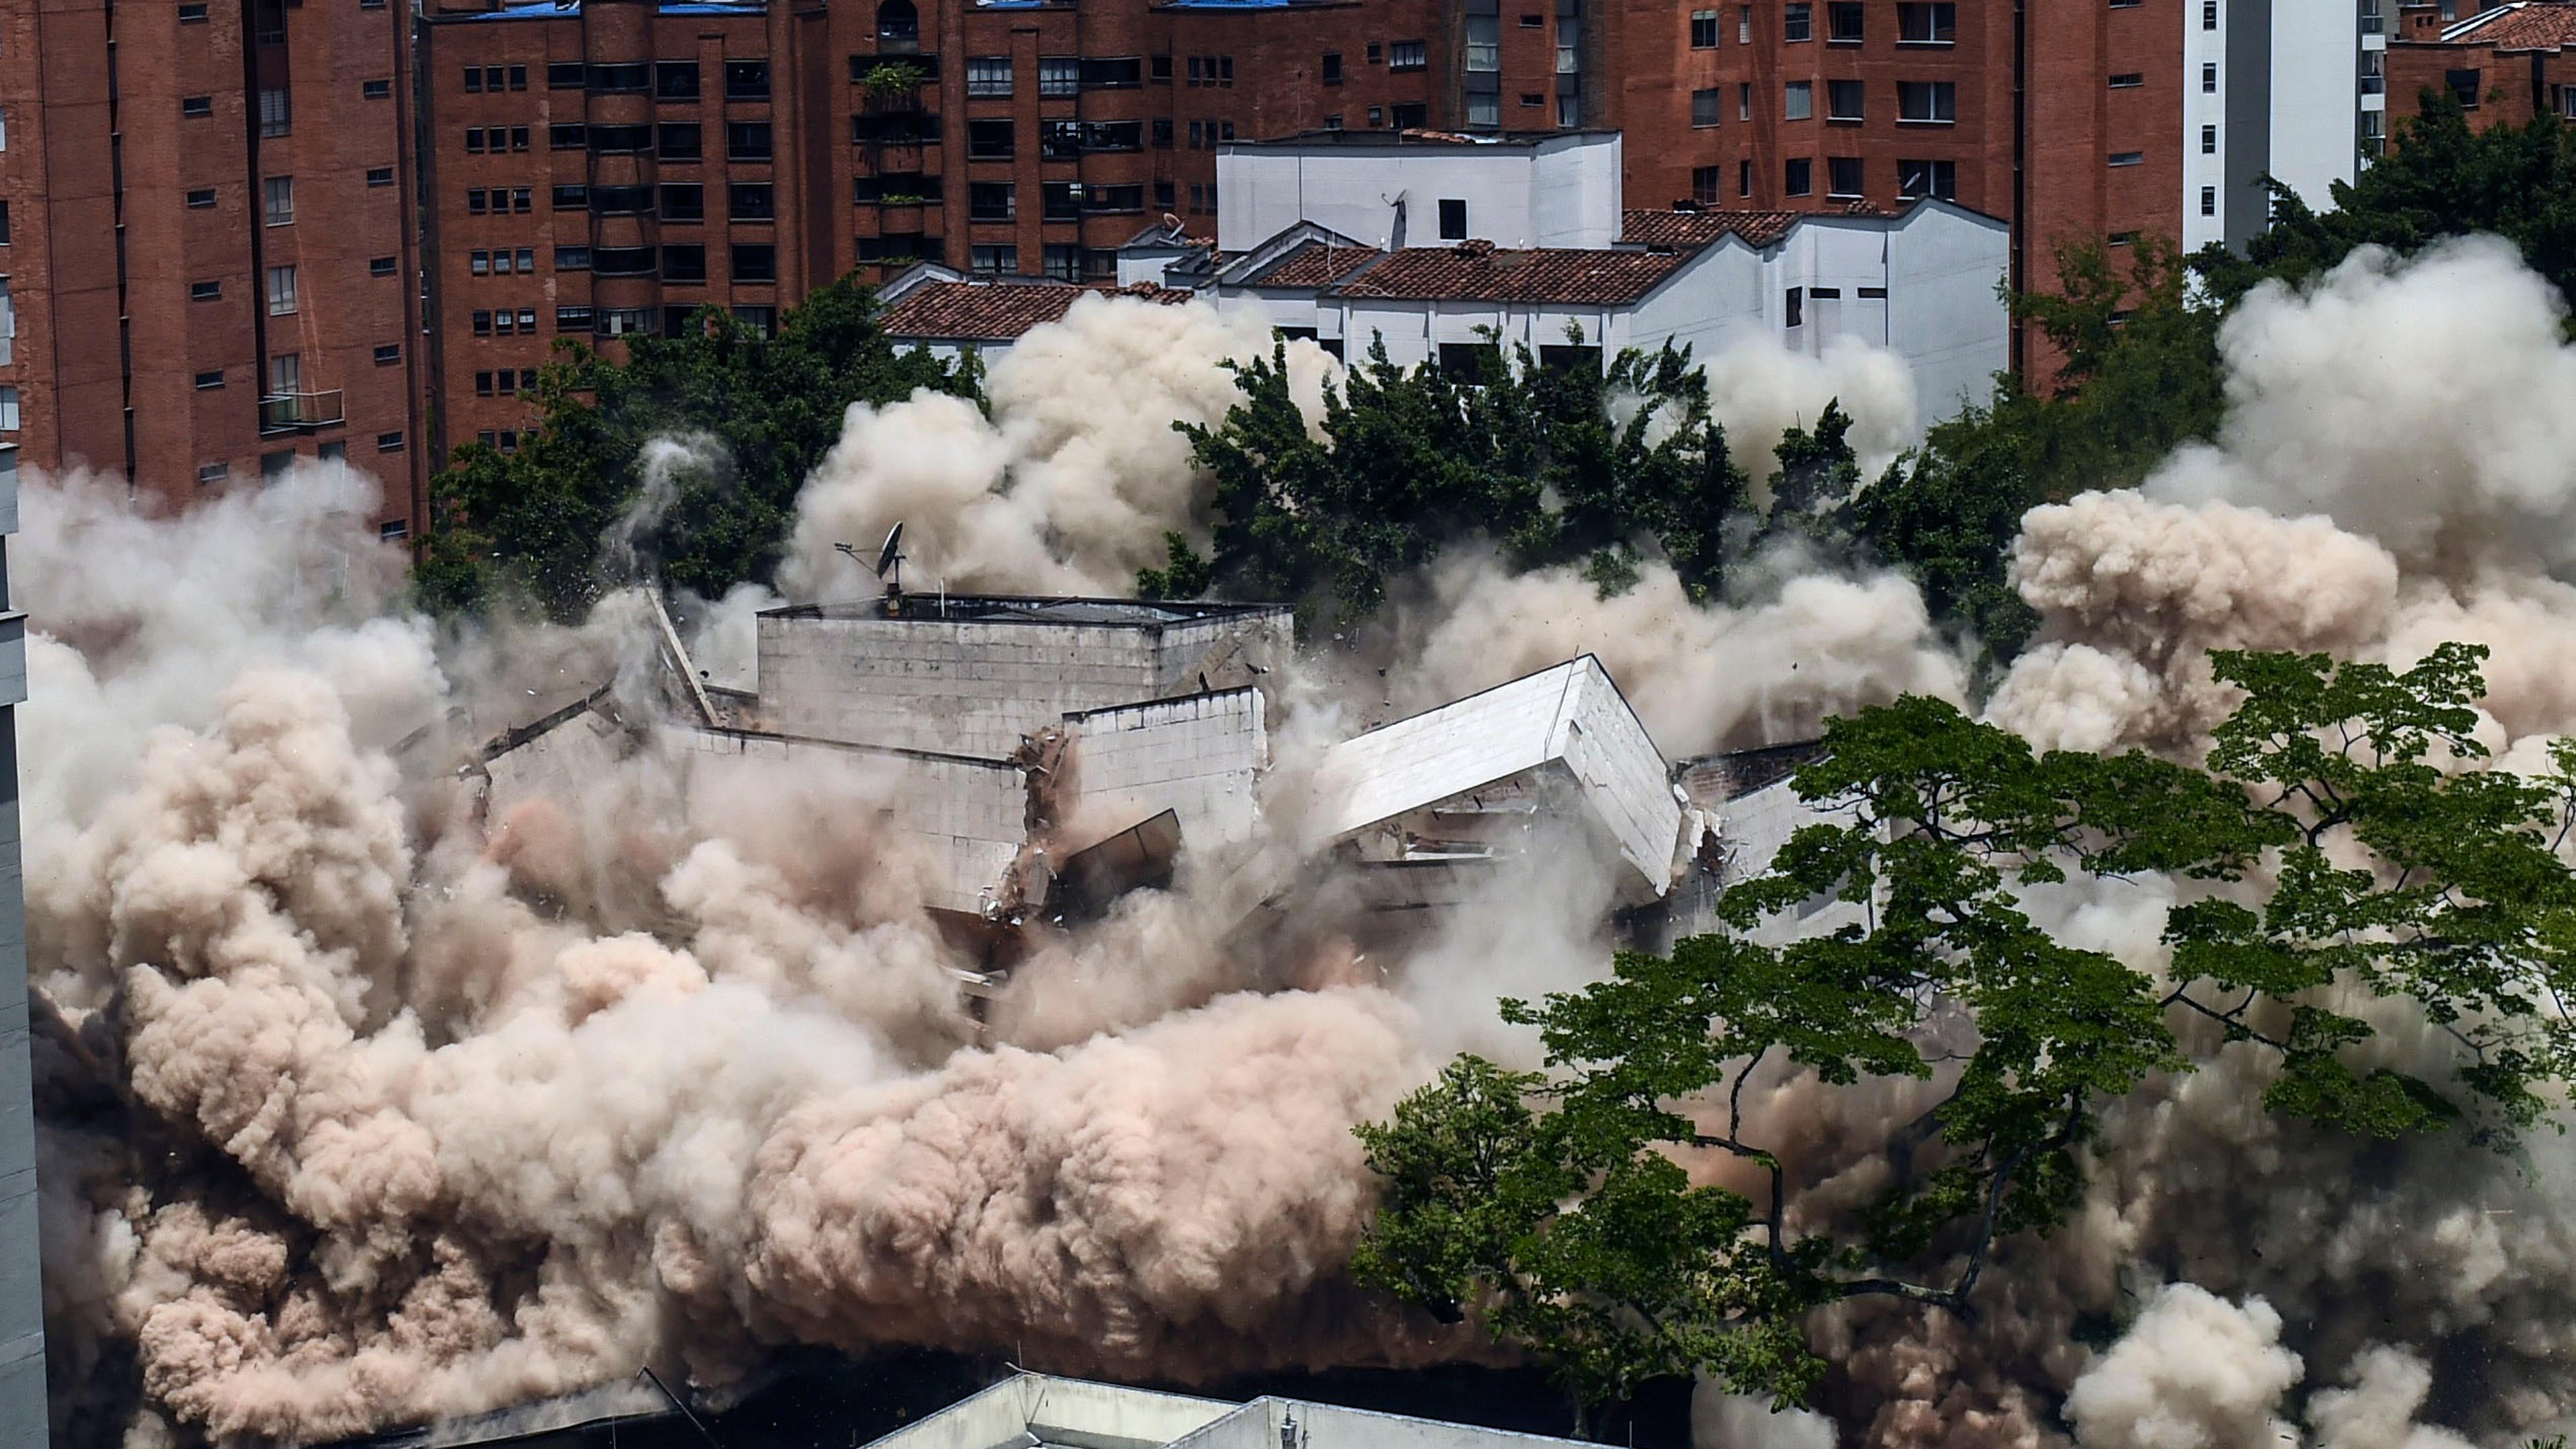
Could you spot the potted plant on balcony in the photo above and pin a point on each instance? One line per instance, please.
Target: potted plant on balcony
(899, 211)
(893, 85)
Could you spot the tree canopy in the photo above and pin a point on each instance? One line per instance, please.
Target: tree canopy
(2327, 848)
(531, 521)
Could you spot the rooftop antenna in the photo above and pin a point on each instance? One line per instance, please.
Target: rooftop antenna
(647, 1374)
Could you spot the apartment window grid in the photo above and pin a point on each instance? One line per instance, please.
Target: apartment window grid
(2209, 140)
(1484, 111)
(1921, 178)
(1844, 22)
(1408, 55)
(279, 194)
(2209, 201)
(2209, 14)
(1798, 101)
(1843, 177)
(1744, 100)
(1708, 185)
(988, 75)
(1927, 102)
(1927, 22)
(281, 291)
(1797, 21)
(1843, 100)
(1798, 176)
(1703, 30)
(1484, 44)
(1744, 178)
(276, 112)
(2128, 80)
(2209, 78)
(1059, 75)
(1744, 25)
(1705, 106)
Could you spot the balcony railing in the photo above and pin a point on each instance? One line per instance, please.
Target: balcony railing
(287, 412)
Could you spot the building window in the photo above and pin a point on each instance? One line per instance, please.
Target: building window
(993, 258)
(995, 140)
(988, 75)
(1116, 73)
(388, 353)
(1484, 44)
(1703, 30)
(1059, 75)
(898, 25)
(1530, 21)
(1708, 185)
(1744, 178)
(1927, 24)
(1843, 100)
(686, 262)
(1411, 116)
(274, 465)
(389, 442)
(750, 201)
(1062, 201)
(2209, 201)
(482, 324)
(1843, 22)
(208, 381)
(1163, 130)
(2128, 158)
(1793, 309)
(2209, 140)
(1842, 176)
(380, 266)
(2374, 72)
(376, 90)
(1915, 179)
(1798, 177)
(1800, 102)
(196, 105)
(572, 259)
(213, 472)
(1705, 105)
(991, 201)
(1407, 55)
(1797, 21)
(562, 136)
(622, 140)
(746, 80)
(193, 13)
(2209, 14)
(201, 198)
(2209, 78)
(480, 263)
(757, 321)
(1453, 218)
(1530, 101)
(675, 80)
(755, 263)
(620, 79)
(1159, 68)
(280, 192)
(678, 141)
(205, 291)
(1484, 110)
(1927, 102)
(281, 291)
(1744, 100)
(1332, 67)
(392, 530)
(276, 113)
(624, 261)
(483, 384)
(1376, 117)
(747, 141)
(1744, 25)
(2127, 79)
(1063, 263)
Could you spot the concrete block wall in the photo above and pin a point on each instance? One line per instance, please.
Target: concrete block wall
(967, 816)
(1199, 756)
(973, 687)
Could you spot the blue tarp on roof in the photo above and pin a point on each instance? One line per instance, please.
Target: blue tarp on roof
(549, 10)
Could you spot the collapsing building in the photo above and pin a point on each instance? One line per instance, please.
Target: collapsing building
(1045, 755)
(1029, 1409)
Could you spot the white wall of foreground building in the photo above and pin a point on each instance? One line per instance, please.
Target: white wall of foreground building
(1385, 189)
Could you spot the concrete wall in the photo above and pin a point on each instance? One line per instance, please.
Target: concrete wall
(1031, 1407)
(1625, 785)
(1943, 315)
(1268, 1423)
(1560, 192)
(1200, 757)
(974, 688)
(968, 816)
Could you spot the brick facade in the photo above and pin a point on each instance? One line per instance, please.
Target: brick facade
(142, 241)
(2505, 70)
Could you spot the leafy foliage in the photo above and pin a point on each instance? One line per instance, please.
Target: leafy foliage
(2324, 852)
(1558, 464)
(529, 522)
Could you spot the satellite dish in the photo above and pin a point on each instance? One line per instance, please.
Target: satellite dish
(887, 557)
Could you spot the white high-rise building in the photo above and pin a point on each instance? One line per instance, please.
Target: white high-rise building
(2291, 89)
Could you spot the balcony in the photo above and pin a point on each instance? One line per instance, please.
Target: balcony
(297, 412)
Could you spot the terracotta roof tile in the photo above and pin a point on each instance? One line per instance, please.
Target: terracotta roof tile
(2539, 25)
(1678, 229)
(1476, 272)
(1315, 265)
(1000, 311)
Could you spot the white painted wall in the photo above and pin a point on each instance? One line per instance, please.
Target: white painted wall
(2316, 48)
(1200, 757)
(2202, 46)
(1563, 191)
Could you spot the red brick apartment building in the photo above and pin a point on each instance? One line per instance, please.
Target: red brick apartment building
(2064, 119)
(604, 167)
(205, 227)
(2506, 65)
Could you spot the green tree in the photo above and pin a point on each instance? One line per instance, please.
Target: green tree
(2320, 845)
(1558, 465)
(530, 522)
